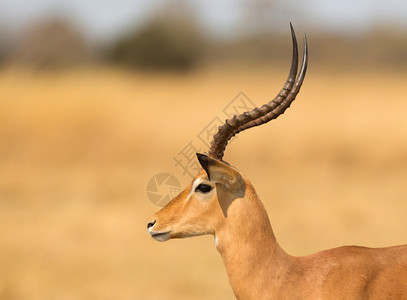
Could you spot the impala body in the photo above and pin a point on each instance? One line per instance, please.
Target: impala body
(222, 202)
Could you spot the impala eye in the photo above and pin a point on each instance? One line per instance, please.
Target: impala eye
(203, 188)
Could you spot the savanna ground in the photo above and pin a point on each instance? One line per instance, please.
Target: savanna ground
(78, 148)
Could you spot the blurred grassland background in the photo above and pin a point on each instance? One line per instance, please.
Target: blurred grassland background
(84, 125)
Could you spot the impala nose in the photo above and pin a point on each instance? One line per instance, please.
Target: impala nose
(151, 224)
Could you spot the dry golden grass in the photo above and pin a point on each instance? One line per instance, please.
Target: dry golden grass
(77, 149)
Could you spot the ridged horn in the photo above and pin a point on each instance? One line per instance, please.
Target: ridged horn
(268, 111)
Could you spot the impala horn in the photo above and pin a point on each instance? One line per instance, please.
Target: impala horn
(268, 111)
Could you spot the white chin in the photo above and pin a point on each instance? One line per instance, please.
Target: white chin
(161, 237)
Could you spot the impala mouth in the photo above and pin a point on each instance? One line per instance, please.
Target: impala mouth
(160, 236)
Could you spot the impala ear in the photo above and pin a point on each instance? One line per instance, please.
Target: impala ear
(220, 172)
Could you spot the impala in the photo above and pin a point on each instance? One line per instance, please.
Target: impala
(221, 201)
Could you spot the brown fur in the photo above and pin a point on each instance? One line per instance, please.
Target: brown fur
(257, 267)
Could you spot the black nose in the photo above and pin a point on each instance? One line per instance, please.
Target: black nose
(150, 224)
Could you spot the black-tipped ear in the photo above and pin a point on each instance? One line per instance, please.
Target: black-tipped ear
(204, 160)
(221, 172)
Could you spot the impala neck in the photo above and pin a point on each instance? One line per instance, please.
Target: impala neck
(252, 257)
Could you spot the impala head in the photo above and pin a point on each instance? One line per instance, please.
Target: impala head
(203, 207)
